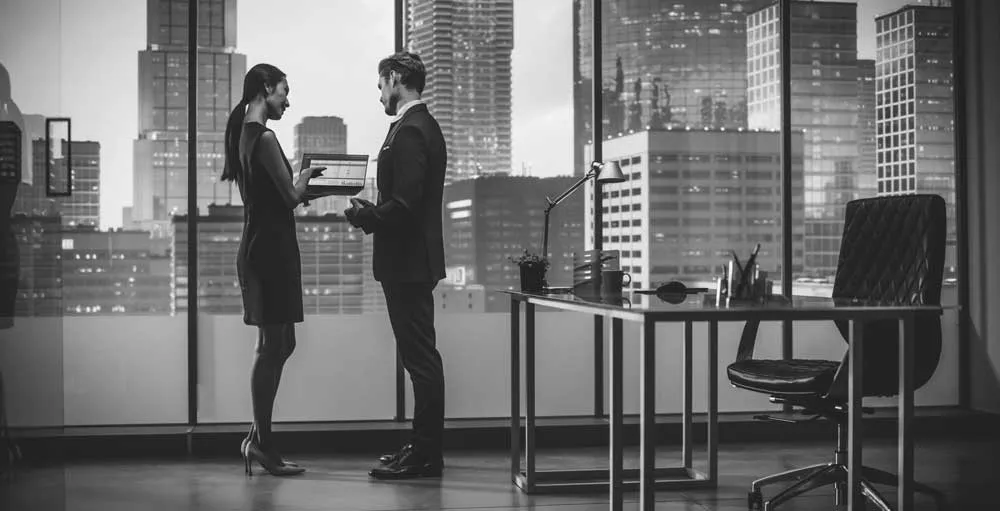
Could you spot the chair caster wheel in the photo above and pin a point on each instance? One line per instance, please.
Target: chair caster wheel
(755, 501)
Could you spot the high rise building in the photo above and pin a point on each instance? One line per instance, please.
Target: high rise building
(466, 47)
(160, 151)
(489, 219)
(824, 106)
(691, 197)
(82, 208)
(327, 134)
(115, 272)
(321, 135)
(40, 274)
(866, 127)
(331, 254)
(664, 64)
(915, 108)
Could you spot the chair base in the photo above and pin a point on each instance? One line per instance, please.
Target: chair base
(816, 476)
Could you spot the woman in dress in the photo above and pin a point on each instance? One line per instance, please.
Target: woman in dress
(268, 262)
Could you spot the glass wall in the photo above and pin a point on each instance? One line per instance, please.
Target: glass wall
(689, 93)
(90, 339)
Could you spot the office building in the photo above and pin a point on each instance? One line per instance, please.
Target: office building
(866, 128)
(467, 46)
(40, 270)
(824, 107)
(330, 251)
(916, 109)
(114, 272)
(327, 134)
(321, 135)
(664, 64)
(490, 219)
(82, 208)
(691, 197)
(160, 178)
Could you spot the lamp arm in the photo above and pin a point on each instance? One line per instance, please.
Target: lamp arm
(555, 202)
(552, 203)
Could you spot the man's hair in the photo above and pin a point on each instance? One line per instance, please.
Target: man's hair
(410, 68)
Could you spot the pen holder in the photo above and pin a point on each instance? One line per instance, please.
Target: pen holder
(742, 286)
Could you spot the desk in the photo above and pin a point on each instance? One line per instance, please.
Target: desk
(649, 310)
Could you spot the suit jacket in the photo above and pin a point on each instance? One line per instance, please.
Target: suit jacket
(408, 239)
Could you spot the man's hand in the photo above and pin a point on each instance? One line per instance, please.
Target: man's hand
(352, 214)
(361, 203)
(362, 218)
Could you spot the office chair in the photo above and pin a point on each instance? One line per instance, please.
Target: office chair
(892, 252)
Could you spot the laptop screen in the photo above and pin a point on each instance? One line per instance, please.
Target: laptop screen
(341, 169)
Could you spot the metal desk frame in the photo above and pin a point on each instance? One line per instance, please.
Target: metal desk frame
(648, 477)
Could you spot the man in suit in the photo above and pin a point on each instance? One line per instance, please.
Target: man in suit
(408, 254)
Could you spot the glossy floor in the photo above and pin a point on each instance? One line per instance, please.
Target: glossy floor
(967, 471)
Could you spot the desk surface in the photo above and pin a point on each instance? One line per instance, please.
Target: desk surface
(701, 306)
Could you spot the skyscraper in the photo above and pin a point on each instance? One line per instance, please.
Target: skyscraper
(83, 206)
(866, 127)
(664, 64)
(160, 151)
(466, 47)
(327, 134)
(321, 135)
(915, 108)
(824, 107)
(489, 219)
(692, 196)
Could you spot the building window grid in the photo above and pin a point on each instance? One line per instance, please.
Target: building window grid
(896, 106)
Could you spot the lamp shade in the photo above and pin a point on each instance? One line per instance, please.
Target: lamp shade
(609, 172)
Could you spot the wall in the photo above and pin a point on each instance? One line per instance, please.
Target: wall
(124, 370)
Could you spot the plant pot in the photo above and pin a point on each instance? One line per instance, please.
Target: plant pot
(532, 278)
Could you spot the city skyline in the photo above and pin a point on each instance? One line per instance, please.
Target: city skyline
(542, 92)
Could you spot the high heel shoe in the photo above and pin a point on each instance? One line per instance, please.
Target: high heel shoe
(243, 448)
(270, 462)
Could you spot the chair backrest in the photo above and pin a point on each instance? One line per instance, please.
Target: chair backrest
(892, 251)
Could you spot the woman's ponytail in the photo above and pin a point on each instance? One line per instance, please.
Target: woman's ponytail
(231, 171)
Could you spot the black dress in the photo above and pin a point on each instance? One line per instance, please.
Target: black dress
(268, 263)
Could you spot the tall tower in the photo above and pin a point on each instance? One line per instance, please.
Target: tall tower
(160, 150)
(916, 108)
(467, 47)
(664, 65)
(866, 127)
(327, 134)
(824, 108)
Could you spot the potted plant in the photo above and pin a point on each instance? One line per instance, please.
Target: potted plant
(533, 267)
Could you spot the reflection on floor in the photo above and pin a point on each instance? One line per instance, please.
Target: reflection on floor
(968, 471)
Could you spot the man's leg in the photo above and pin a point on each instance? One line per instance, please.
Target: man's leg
(411, 314)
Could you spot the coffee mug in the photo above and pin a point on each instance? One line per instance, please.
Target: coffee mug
(612, 282)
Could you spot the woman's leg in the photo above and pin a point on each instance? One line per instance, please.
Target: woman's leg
(275, 344)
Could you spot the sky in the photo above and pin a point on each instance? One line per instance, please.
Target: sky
(79, 59)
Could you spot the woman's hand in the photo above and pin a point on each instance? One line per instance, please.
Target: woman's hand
(302, 180)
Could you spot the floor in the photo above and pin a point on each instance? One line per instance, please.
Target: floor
(967, 471)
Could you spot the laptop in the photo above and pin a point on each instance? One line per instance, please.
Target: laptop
(344, 175)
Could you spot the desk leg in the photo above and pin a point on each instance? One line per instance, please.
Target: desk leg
(598, 366)
(855, 500)
(529, 397)
(905, 496)
(647, 416)
(515, 389)
(616, 463)
(687, 356)
(713, 401)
